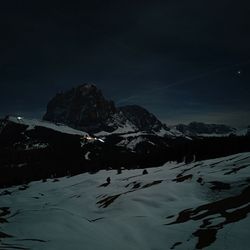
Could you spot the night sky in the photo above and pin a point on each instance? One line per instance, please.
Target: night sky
(182, 60)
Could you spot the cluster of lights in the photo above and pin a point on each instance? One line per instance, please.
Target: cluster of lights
(89, 138)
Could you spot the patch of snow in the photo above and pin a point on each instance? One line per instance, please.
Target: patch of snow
(127, 128)
(32, 123)
(133, 143)
(214, 135)
(164, 132)
(36, 146)
(134, 211)
(176, 132)
(87, 156)
(122, 126)
(242, 132)
(136, 134)
(123, 143)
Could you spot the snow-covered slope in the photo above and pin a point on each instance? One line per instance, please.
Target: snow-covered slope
(32, 123)
(201, 205)
(122, 127)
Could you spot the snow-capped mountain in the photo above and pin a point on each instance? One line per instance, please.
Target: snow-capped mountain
(200, 129)
(31, 149)
(200, 205)
(85, 108)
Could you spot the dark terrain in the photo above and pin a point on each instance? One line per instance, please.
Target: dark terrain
(85, 108)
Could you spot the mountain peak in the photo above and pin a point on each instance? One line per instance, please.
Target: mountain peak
(84, 107)
(142, 118)
(87, 88)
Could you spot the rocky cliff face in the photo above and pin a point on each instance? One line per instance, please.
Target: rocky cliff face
(141, 118)
(85, 108)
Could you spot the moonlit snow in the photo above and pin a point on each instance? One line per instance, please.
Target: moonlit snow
(201, 205)
(32, 123)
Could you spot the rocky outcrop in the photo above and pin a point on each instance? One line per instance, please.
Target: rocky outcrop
(85, 108)
(141, 118)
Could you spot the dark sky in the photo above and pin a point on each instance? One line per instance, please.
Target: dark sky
(180, 59)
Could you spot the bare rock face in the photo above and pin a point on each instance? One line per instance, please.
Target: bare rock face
(83, 107)
(141, 118)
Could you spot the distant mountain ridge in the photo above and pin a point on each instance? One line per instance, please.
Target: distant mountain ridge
(199, 128)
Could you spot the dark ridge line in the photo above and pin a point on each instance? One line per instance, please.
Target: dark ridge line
(97, 219)
(175, 245)
(151, 184)
(43, 241)
(235, 170)
(11, 246)
(181, 178)
(216, 163)
(195, 166)
(127, 178)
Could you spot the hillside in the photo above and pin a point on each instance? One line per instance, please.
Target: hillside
(201, 205)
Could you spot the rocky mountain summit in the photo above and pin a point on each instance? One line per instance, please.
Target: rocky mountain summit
(85, 108)
(141, 118)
